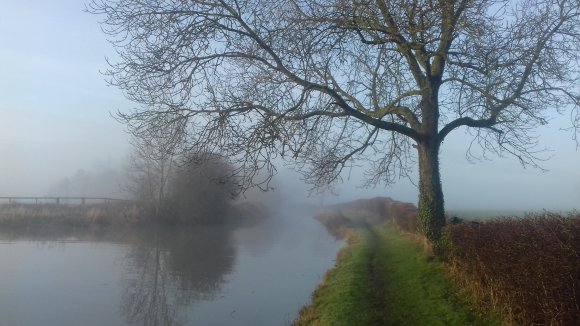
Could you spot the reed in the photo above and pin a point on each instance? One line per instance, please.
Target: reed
(106, 214)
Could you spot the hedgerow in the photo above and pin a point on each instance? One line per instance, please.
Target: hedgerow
(528, 269)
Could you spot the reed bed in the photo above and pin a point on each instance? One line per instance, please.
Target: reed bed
(116, 214)
(31, 215)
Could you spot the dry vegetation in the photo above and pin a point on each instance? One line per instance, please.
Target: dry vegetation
(30, 215)
(365, 212)
(117, 215)
(528, 269)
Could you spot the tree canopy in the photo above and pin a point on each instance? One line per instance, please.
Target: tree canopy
(329, 83)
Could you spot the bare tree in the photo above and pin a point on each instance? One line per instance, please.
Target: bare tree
(331, 82)
(200, 190)
(155, 150)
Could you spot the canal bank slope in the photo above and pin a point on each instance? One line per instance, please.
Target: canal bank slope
(384, 276)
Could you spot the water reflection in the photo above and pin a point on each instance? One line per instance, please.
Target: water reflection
(168, 269)
(242, 275)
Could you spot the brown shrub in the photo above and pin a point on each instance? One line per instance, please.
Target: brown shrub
(405, 217)
(336, 223)
(365, 212)
(528, 268)
(247, 213)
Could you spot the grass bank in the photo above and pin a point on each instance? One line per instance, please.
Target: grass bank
(384, 278)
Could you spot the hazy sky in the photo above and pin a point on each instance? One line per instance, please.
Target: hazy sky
(54, 103)
(55, 119)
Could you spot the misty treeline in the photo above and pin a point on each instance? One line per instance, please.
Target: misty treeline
(332, 84)
(100, 181)
(168, 183)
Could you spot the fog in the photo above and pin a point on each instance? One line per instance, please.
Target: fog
(55, 120)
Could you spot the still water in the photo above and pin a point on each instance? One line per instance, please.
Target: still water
(258, 275)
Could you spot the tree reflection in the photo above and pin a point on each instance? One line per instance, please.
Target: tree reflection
(168, 269)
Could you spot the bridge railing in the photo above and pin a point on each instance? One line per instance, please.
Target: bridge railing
(60, 200)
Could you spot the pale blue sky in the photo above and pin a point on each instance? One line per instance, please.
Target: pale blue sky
(54, 103)
(55, 119)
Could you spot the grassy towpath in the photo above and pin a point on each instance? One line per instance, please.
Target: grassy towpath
(384, 278)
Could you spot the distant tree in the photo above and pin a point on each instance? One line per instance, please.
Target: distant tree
(148, 175)
(201, 189)
(179, 188)
(155, 151)
(332, 82)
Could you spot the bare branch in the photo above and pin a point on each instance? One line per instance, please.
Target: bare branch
(330, 83)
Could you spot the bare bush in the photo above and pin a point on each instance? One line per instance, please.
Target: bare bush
(200, 191)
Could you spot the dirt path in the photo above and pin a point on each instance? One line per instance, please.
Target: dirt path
(377, 280)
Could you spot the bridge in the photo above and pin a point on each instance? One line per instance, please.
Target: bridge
(60, 200)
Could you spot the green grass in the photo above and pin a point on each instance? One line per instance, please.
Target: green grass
(417, 290)
(344, 297)
(384, 278)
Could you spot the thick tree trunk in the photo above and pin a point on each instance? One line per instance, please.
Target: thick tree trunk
(431, 205)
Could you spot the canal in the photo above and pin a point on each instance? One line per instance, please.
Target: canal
(254, 275)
